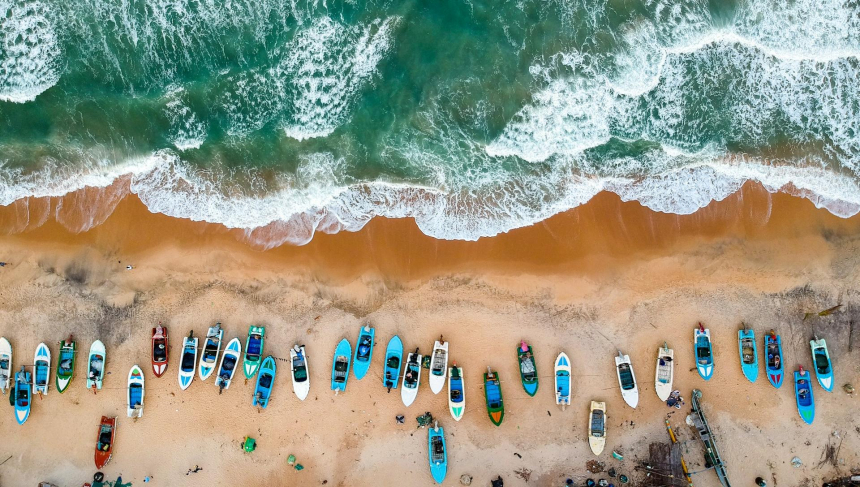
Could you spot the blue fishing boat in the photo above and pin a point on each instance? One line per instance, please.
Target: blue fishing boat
(562, 380)
(456, 392)
(822, 364)
(340, 365)
(803, 394)
(528, 368)
(748, 353)
(438, 453)
(41, 369)
(22, 395)
(704, 354)
(363, 352)
(773, 352)
(393, 359)
(265, 382)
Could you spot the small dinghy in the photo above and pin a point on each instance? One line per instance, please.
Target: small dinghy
(96, 366)
(254, 350)
(803, 394)
(748, 353)
(411, 378)
(265, 383)
(393, 359)
(299, 371)
(438, 366)
(597, 427)
(562, 380)
(104, 441)
(188, 361)
(528, 368)
(456, 393)
(773, 352)
(822, 364)
(438, 453)
(704, 354)
(159, 350)
(211, 349)
(5, 365)
(493, 396)
(21, 395)
(665, 374)
(340, 366)
(229, 362)
(627, 380)
(66, 364)
(363, 352)
(42, 367)
(135, 392)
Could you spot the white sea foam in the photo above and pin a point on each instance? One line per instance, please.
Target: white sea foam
(29, 50)
(187, 130)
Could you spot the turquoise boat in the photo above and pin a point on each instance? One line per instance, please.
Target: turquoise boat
(21, 395)
(438, 453)
(704, 353)
(748, 353)
(393, 359)
(528, 368)
(340, 366)
(265, 382)
(803, 395)
(363, 352)
(253, 350)
(822, 364)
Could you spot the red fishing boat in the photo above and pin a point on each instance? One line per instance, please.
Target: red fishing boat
(104, 441)
(159, 350)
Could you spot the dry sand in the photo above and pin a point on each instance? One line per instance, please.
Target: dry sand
(606, 276)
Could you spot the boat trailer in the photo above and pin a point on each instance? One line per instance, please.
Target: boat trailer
(697, 420)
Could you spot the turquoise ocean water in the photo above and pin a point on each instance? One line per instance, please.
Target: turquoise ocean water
(472, 116)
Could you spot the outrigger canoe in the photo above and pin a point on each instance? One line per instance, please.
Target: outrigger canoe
(773, 353)
(42, 367)
(188, 361)
(562, 380)
(393, 360)
(597, 427)
(21, 395)
(704, 352)
(159, 350)
(803, 395)
(340, 366)
(5, 365)
(748, 353)
(135, 392)
(66, 364)
(456, 393)
(96, 365)
(528, 368)
(493, 396)
(363, 352)
(211, 349)
(299, 371)
(822, 364)
(665, 372)
(438, 453)
(254, 350)
(265, 383)
(411, 378)
(228, 365)
(438, 366)
(627, 380)
(104, 441)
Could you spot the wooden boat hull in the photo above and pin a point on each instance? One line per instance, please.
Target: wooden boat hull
(409, 391)
(393, 353)
(748, 354)
(597, 427)
(803, 396)
(361, 361)
(104, 449)
(254, 346)
(160, 344)
(562, 380)
(438, 461)
(67, 355)
(342, 357)
(42, 368)
(96, 362)
(493, 397)
(135, 392)
(822, 364)
(528, 377)
(456, 393)
(265, 383)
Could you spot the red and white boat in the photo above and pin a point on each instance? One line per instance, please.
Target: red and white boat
(159, 350)
(104, 441)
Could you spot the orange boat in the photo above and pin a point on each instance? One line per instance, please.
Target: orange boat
(104, 441)
(159, 350)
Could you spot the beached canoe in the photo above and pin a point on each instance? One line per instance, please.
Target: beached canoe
(340, 366)
(254, 350)
(299, 371)
(438, 453)
(665, 372)
(774, 359)
(228, 365)
(211, 349)
(411, 378)
(704, 352)
(803, 395)
(438, 366)
(562, 380)
(822, 364)
(188, 361)
(96, 365)
(456, 392)
(627, 380)
(42, 368)
(748, 353)
(159, 350)
(528, 368)
(21, 395)
(5, 365)
(265, 383)
(66, 364)
(104, 441)
(597, 427)
(493, 396)
(363, 352)
(135, 392)
(393, 360)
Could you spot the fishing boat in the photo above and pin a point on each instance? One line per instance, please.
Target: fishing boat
(21, 395)
(187, 361)
(42, 368)
(528, 368)
(627, 380)
(438, 453)
(773, 352)
(265, 382)
(393, 359)
(135, 392)
(665, 374)
(5, 365)
(340, 366)
(562, 380)
(438, 366)
(104, 441)
(748, 353)
(363, 352)
(96, 365)
(253, 350)
(704, 355)
(822, 364)
(597, 427)
(227, 367)
(493, 395)
(456, 392)
(411, 378)
(299, 369)
(66, 363)
(211, 349)
(803, 395)
(159, 350)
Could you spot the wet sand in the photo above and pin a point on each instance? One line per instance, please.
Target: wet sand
(606, 276)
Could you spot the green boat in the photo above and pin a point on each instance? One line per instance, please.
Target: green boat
(528, 368)
(66, 363)
(493, 395)
(253, 351)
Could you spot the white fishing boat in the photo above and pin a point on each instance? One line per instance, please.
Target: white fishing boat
(187, 361)
(135, 392)
(665, 374)
(627, 380)
(597, 427)
(562, 380)
(411, 378)
(227, 367)
(438, 366)
(299, 369)
(5, 364)
(211, 349)
(96, 366)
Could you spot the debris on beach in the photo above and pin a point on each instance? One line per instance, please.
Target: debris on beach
(595, 466)
(796, 463)
(617, 455)
(466, 479)
(523, 473)
(848, 388)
